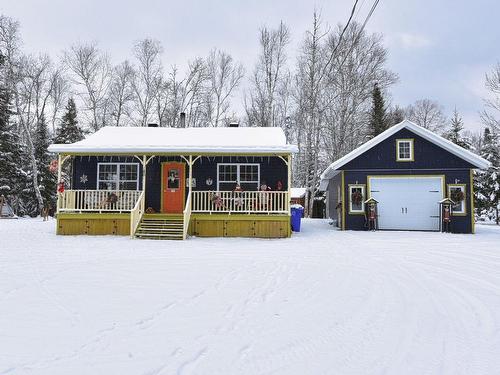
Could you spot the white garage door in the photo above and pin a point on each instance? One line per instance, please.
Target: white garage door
(407, 203)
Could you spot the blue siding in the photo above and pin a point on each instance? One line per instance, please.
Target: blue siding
(460, 224)
(426, 154)
(272, 170)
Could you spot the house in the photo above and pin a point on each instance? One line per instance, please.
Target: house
(166, 183)
(407, 170)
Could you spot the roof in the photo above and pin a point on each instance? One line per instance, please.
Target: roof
(298, 192)
(122, 140)
(462, 153)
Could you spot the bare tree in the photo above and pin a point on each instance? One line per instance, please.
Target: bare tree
(92, 72)
(224, 76)
(268, 72)
(428, 114)
(491, 115)
(33, 88)
(58, 95)
(148, 75)
(121, 93)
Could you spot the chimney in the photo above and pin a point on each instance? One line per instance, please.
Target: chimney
(152, 125)
(234, 124)
(182, 120)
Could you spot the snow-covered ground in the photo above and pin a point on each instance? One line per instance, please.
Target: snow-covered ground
(322, 302)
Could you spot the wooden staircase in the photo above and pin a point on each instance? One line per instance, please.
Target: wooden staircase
(160, 227)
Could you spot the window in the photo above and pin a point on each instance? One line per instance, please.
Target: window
(404, 150)
(247, 175)
(118, 176)
(357, 199)
(456, 192)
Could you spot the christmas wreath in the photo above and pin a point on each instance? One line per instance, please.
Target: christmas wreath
(112, 198)
(356, 197)
(457, 195)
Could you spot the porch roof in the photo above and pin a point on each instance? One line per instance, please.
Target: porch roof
(146, 140)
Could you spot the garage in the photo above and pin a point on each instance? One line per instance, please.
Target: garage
(407, 202)
(408, 170)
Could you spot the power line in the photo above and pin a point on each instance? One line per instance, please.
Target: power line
(358, 36)
(330, 59)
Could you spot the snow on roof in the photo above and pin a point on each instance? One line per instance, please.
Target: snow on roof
(298, 192)
(462, 153)
(199, 140)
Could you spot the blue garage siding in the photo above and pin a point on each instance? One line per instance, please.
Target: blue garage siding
(460, 224)
(427, 155)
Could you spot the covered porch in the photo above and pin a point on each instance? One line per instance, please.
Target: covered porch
(204, 193)
(170, 182)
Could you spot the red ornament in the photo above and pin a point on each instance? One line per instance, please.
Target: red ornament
(60, 187)
(53, 166)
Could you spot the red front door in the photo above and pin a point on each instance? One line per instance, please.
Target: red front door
(173, 187)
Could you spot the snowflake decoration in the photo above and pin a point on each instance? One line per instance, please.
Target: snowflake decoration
(83, 178)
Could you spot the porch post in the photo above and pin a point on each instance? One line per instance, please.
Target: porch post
(144, 166)
(59, 173)
(289, 165)
(190, 182)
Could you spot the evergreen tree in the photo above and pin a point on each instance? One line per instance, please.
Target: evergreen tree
(11, 174)
(455, 133)
(488, 181)
(46, 179)
(378, 118)
(69, 131)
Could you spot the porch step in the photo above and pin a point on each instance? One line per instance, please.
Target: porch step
(160, 227)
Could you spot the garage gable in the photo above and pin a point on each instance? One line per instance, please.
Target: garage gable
(426, 155)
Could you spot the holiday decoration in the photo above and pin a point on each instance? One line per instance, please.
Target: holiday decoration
(53, 166)
(60, 187)
(216, 200)
(209, 181)
(356, 197)
(83, 178)
(457, 195)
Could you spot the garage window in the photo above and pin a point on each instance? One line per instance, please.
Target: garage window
(404, 150)
(456, 192)
(357, 199)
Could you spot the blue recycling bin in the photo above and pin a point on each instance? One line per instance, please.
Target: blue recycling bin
(297, 211)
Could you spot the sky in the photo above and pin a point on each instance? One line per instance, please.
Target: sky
(441, 49)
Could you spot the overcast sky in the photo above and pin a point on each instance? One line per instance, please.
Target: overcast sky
(440, 49)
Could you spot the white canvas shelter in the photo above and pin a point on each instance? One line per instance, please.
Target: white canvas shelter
(142, 140)
(6, 212)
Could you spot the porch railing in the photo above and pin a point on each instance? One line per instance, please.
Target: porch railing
(98, 200)
(136, 214)
(187, 216)
(267, 202)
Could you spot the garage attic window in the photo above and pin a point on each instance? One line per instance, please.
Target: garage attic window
(357, 199)
(404, 150)
(456, 192)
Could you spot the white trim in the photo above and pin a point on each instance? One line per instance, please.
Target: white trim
(462, 187)
(118, 164)
(462, 153)
(238, 174)
(410, 149)
(363, 193)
